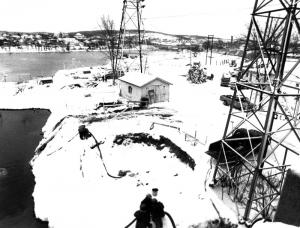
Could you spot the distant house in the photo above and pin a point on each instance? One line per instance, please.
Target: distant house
(79, 36)
(45, 80)
(73, 43)
(134, 86)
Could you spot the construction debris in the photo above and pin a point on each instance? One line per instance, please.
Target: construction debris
(198, 75)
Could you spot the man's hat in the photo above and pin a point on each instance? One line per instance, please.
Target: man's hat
(155, 189)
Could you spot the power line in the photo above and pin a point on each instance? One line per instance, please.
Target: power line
(194, 13)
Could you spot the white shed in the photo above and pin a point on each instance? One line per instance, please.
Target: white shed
(134, 86)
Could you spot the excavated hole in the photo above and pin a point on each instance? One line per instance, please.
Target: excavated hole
(159, 144)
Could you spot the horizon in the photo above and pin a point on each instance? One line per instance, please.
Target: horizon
(194, 17)
(83, 31)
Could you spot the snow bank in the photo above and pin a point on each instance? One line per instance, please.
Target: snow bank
(72, 186)
(74, 177)
(262, 224)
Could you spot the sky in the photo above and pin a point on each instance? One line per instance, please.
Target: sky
(198, 17)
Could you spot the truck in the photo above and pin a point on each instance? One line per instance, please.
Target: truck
(239, 102)
(225, 80)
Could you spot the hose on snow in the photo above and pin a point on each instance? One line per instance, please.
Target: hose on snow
(130, 223)
(84, 133)
(171, 219)
(166, 213)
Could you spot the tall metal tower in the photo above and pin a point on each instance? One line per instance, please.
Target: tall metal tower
(255, 153)
(131, 23)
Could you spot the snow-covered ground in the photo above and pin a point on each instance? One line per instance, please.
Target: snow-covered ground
(72, 186)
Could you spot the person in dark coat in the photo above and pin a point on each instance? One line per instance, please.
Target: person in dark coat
(147, 202)
(157, 213)
(142, 217)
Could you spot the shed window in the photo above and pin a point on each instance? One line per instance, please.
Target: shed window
(129, 89)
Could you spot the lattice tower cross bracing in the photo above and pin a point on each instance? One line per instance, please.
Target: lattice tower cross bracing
(131, 22)
(255, 153)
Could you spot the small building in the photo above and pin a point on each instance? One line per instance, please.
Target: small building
(134, 86)
(45, 80)
(79, 36)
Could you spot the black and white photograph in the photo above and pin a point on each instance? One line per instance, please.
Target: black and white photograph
(150, 114)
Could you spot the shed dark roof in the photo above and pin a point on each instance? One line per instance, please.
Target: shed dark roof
(140, 79)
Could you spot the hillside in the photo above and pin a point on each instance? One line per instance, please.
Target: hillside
(91, 33)
(147, 32)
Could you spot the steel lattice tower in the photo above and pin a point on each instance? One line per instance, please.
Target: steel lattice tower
(254, 174)
(131, 22)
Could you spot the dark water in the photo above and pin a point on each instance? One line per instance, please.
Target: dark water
(25, 66)
(20, 133)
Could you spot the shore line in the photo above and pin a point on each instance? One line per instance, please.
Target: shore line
(46, 51)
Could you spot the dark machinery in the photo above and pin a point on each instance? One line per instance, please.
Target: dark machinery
(255, 179)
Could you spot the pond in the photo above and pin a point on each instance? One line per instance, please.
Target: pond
(20, 134)
(19, 67)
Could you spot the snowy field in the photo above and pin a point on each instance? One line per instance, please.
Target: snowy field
(73, 188)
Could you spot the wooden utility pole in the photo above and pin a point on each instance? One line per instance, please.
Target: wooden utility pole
(209, 46)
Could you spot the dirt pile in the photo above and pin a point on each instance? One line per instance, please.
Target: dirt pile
(159, 144)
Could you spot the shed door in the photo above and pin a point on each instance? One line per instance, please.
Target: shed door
(161, 93)
(151, 94)
(157, 93)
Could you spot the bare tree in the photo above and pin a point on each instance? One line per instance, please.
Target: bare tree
(111, 37)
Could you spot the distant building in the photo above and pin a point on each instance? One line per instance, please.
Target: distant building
(79, 36)
(134, 86)
(73, 43)
(16, 36)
